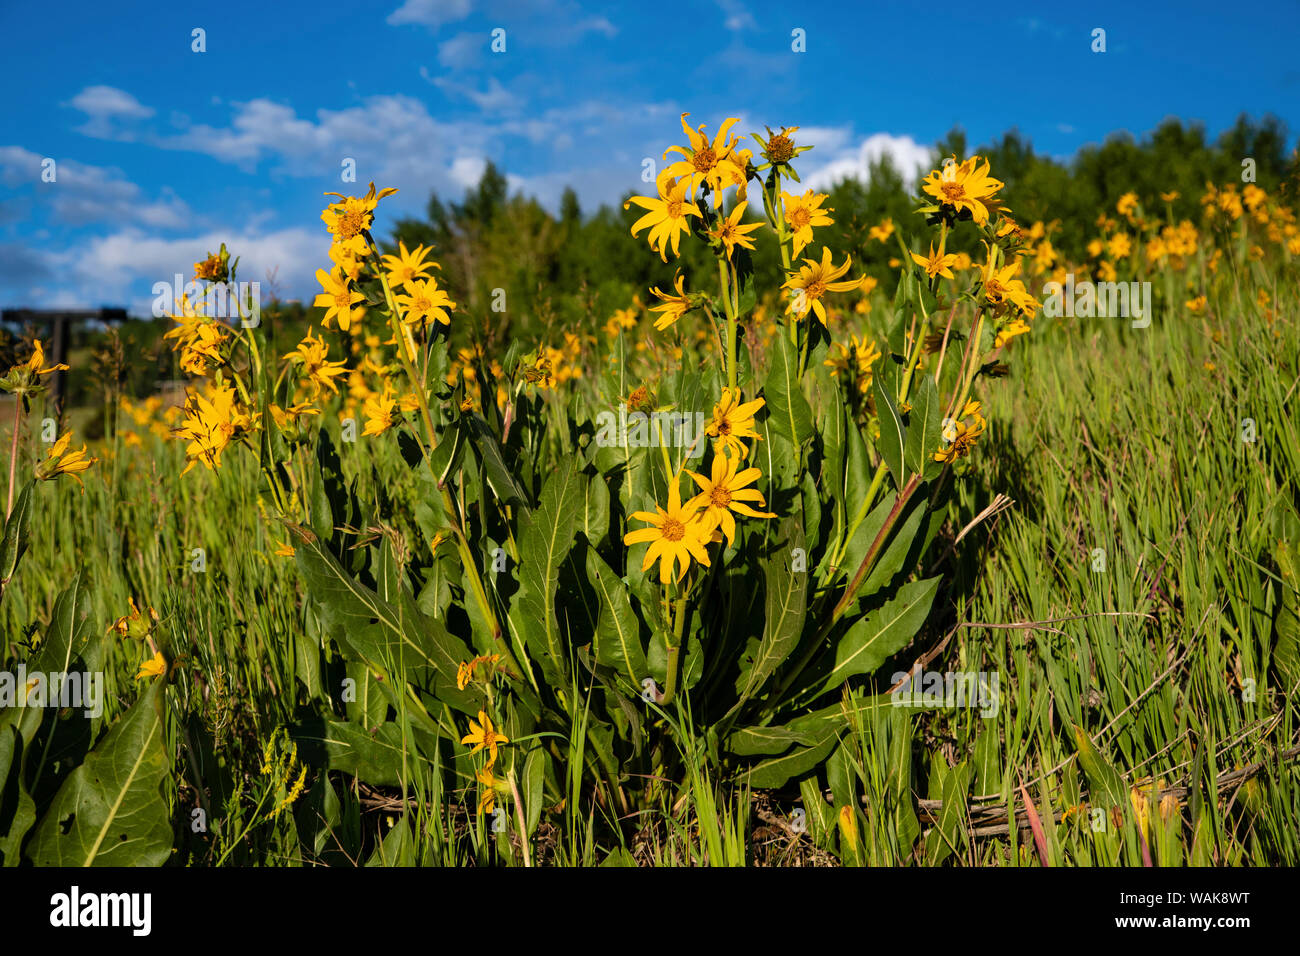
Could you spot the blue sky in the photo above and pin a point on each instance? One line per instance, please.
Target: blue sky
(163, 152)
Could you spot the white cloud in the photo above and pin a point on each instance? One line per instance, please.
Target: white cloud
(736, 16)
(430, 13)
(495, 99)
(462, 51)
(83, 194)
(854, 162)
(108, 110)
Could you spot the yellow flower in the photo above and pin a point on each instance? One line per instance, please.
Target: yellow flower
(1169, 196)
(813, 281)
(666, 214)
(405, 267)
(352, 216)
(675, 535)
(1120, 246)
(378, 412)
(731, 233)
(60, 461)
(804, 212)
(733, 421)
(211, 423)
(936, 264)
(154, 667)
(964, 188)
(961, 436)
(724, 492)
(426, 304)
(1003, 289)
(1127, 204)
(338, 299)
(673, 306)
(482, 734)
(883, 231)
(134, 624)
(487, 800)
(37, 359)
(1009, 332)
(1195, 305)
(857, 357)
(704, 161)
(311, 353)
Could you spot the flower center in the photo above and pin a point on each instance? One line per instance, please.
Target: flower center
(815, 289)
(351, 222)
(780, 148)
(720, 497)
(800, 218)
(675, 209)
(953, 192)
(342, 301)
(422, 305)
(724, 427)
(673, 530)
(705, 159)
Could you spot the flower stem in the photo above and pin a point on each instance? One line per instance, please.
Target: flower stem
(13, 454)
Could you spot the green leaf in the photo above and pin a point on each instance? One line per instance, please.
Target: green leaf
(110, 811)
(775, 771)
(1106, 785)
(617, 637)
(924, 425)
(786, 605)
(499, 477)
(543, 546)
(882, 633)
(375, 757)
(790, 415)
(17, 529)
(892, 433)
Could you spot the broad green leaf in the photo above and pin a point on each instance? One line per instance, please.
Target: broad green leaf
(499, 477)
(617, 637)
(1106, 785)
(892, 433)
(17, 528)
(785, 611)
(775, 771)
(883, 632)
(543, 546)
(110, 811)
(924, 425)
(791, 417)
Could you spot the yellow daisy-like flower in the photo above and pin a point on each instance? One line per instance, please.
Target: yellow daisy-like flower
(724, 491)
(731, 233)
(426, 304)
(483, 735)
(487, 800)
(1127, 204)
(883, 231)
(705, 161)
(378, 412)
(961, 435)
(673, 307)
(1002, 289)
(405, 267)
(804, 212)
(351, 216)
(857, 358)
(37, 359)
(1009, 332)
(60, 461)
(156, 666)
(310, 354)
(732, 422)
(666, 215)
(211, 423)
(675, 536)
(967, 187)
(936, 263)
(813, 281)
(339, 300)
